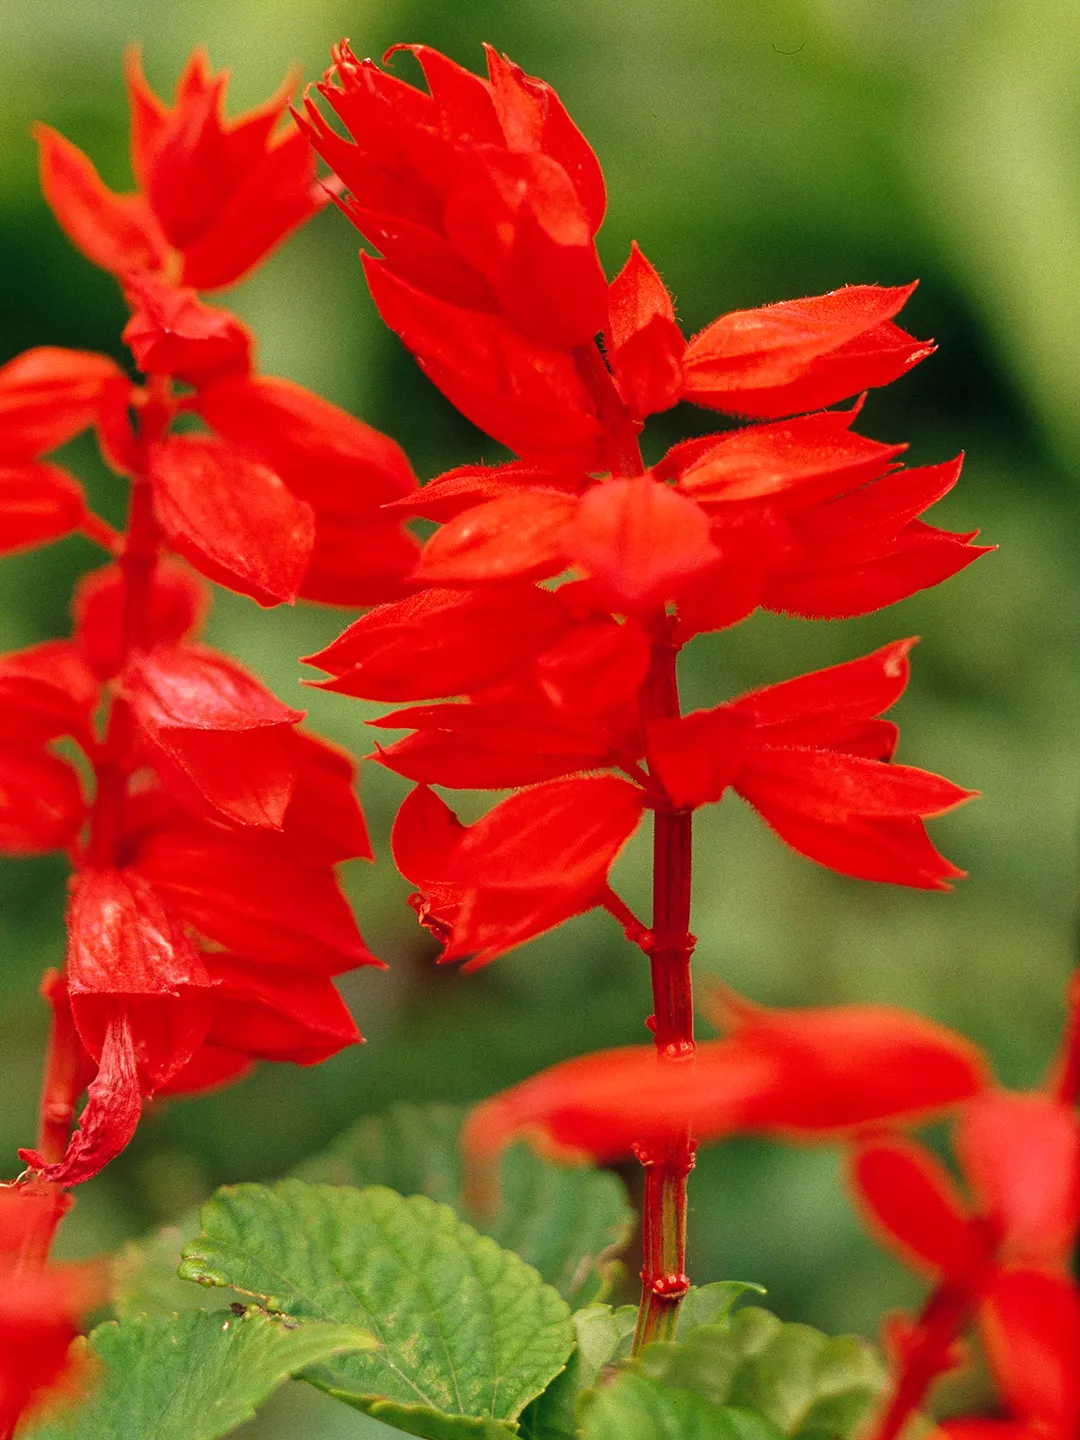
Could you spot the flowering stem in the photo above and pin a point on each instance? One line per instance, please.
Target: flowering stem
(664, 1281)
(939, 1325)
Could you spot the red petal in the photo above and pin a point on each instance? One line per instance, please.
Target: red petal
(911, 1201)
(1031, 1327)
(231, 737)
(425, 835)
(38, 503)
(359, 561)
(209, 1069)
(639, 541)
(801, 355)
(42, 807)
(646, 345)
(448, 495)
(323, 454)
(248, 893)
(277, 1015)
(48, 395)
(324, 822)
(177, 603)
(117, 232)
(518, 536)
(696, 757)
(45, 691)
(595, 668)
(171, 332)
(826, 786)
(565, 835)
(443, 642)
(1021, 1155)
(232, 517)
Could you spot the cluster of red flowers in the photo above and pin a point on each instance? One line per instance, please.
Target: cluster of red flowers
(205, 920)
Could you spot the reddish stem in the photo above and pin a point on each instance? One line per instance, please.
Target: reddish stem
(664, 1281)
(940, 1324)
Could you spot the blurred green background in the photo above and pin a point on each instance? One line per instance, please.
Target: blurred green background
(757, 151)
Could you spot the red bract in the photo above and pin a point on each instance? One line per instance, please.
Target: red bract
(802, 1074)
(40, 1306)
(215, 195)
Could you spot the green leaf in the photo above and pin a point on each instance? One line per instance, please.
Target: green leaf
(635, 1407)
(468, 1333)
(144, 1278)
(601, 1333)
(808, 1384)
(192, 1377)
(567, 1221)
(710, 1304)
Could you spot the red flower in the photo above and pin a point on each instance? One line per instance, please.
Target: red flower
(800, 1074)
(40, 1305)
(215, 195)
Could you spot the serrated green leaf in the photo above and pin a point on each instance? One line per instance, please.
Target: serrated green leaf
(191, 1377)
(144, 1278)
(466, 1329)
(566, 1221)
(636, 1407)
(806, 1383)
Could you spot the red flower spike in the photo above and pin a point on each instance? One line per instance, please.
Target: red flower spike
(911, 1201)
(519, 536)
(280, 1015)
(645, 346)
(1031, 1328)
(801, 355)
(117, 232)
(231, 517)
(171, 332)
(442, 642)
(324, 822)
(42, 806)
(810, 1074)
(176, 607)
(1021, 1154)
(640, 541)
(49, 395)
(46, 691)
(250, 894)
(230, 737)
(38, 503)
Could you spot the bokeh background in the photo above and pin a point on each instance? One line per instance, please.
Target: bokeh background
(756, 152)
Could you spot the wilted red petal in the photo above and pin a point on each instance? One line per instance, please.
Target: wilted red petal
(1021, 1155)
(1031, 1326)
(229, 735)
(38, 503)
(442, 642)
(639, 541)
(247, 892)
(518, 536)
(234, 519)
(176, 605)
(911, 1201)
(801, 355)
(117, 232)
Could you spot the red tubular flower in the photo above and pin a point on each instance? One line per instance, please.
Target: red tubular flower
(800, 1074)
(215, 196)
(40, 1306)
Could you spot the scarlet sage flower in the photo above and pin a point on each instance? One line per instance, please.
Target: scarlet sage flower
(41, 1305)
(214, 195)
(818, 1074)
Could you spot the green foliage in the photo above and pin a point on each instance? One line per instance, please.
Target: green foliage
(194, 1376)
(144, 1278)
(634, 1407)
(468, 1333)
(567, 1221)
(810, 1386)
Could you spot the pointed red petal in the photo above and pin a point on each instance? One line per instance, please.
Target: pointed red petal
(910, 1199)
(517, 536)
